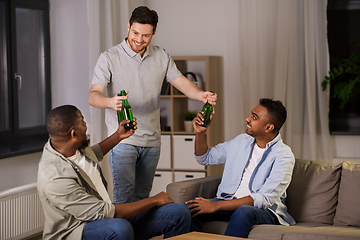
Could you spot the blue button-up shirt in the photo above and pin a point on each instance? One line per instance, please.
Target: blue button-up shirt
(268, 182)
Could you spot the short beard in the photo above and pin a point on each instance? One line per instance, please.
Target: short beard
(84, 144)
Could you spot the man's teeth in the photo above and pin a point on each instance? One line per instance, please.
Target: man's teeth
(248, 126)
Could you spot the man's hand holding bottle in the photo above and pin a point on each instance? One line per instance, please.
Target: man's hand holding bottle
(203, 118)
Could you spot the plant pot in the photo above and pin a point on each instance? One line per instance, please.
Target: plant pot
(188, 126)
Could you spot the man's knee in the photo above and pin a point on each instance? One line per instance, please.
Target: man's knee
(244, 211)
(179, 211)
(114, 228)
(122, 229)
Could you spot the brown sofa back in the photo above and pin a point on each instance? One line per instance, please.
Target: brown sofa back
(319, 192)
(348, 208)
(313, 192)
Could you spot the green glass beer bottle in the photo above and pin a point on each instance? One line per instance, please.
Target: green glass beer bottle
(125, 113)
(207, 109)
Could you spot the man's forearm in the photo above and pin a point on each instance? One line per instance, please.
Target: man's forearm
(190, 89)
(194, 92)
(232, 205)
(201, 146)
(130, 210)
(108, 143)
(98, 100)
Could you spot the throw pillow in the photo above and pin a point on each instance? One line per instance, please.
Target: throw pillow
(347, 210)
(312, 194)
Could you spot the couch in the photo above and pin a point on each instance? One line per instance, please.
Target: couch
(323, 198)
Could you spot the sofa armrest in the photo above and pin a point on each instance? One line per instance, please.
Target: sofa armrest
(183, 191)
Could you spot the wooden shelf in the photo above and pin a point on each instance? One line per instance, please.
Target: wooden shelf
(209, 70)
(173, 106)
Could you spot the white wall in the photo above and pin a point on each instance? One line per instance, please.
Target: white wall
(69, 36)
(346, 147)
(18, 171)
(186, 27)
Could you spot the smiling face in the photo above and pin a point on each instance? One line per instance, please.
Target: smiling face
(258, 122)
(139, 36)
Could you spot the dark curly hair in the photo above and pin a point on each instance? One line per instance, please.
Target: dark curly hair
(277, 112)
(60, 120)
(144, 15)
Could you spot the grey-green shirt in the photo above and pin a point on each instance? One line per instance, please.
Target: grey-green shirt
(120, 68)
(68, 196)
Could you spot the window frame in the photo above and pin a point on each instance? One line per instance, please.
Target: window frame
(343, 122)
(16, 141)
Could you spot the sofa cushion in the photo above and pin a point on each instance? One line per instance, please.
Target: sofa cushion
(268, 232)
(348, 210)
(276, 232)
(326, 232)
(312, 194)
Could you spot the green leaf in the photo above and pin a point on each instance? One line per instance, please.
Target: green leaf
(349, 83)
(324, 84)
(341, 69)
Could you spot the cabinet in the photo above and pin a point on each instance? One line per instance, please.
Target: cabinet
(177, 148)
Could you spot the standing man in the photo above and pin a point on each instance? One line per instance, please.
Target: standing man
(139, 68)
(258, 169)
(73, 192)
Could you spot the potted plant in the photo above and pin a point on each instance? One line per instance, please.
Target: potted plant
(346, 88)
(188, 117)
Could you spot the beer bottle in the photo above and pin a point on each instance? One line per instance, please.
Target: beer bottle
(125, 113)
(207, 109)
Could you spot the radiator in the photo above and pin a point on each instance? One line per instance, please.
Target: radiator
(21, 213)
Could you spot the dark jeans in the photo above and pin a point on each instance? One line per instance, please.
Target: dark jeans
(171, 219)
(240, 221)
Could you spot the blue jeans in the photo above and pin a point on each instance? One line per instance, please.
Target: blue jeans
(240, 221)
(133, 169)
(171, 219)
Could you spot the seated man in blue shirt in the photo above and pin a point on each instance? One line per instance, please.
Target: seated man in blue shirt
(258, 169)
(72, 188)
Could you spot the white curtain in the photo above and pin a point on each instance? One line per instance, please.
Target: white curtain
(284, 55)
(107, 22)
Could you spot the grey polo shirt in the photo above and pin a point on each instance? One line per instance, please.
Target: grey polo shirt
(120, 68)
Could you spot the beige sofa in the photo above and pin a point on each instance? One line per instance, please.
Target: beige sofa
(324, 199)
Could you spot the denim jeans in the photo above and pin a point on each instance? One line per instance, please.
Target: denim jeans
(240, 221)
(171, 219)
(133, 169)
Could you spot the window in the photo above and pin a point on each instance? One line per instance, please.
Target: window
(25, 75)
(343, 26)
